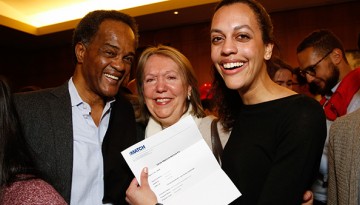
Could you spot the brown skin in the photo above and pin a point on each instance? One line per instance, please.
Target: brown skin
(103, 64)
(236, 38)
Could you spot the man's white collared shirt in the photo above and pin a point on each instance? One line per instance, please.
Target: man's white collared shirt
(87, 178)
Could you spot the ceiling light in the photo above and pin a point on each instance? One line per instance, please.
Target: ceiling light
(78, 10)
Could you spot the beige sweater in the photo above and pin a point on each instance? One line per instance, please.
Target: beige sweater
(344, 160)
(204, 125)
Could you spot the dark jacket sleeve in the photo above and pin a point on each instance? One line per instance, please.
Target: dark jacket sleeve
(120, 134)
(46, 123)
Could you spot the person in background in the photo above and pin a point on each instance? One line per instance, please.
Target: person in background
(280, 72)
(323, 63)
(344, 166)
(78, 129)
(20, 182)
(269, 156)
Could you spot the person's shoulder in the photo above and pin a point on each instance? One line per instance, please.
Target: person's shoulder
(30, 94)
(33, 98)
(299, 103)
(303, 110)
(207, 120)
(301, 98)
(32, 191)
(302, 101)
(41, 93)
(345, 131)
(350, 118)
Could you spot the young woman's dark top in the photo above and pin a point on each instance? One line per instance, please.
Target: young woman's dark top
(274, 150)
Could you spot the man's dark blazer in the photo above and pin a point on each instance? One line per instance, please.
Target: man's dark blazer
(46, 120)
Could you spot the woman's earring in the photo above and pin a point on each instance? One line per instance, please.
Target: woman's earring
(188, 97)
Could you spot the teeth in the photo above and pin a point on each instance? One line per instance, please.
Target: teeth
(111, 76)
(162, 100)
(233, 65)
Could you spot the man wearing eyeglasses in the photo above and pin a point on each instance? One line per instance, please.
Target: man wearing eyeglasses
(323, 63)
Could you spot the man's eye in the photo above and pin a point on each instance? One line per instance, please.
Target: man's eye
(216, 39)
(129, 59)
(110, 53)
(243, 37)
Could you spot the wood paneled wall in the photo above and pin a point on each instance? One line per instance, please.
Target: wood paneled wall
(193, 41)
(52, 66)
(292, 26)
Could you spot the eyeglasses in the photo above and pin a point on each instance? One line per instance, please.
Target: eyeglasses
(310, 70)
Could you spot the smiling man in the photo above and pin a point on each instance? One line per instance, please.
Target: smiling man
(323, 63)
(69, 127)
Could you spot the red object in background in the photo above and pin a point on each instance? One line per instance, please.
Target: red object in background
(205, 91)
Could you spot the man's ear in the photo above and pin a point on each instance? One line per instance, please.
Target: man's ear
(336, 56)
(268, 51)
(80, 49)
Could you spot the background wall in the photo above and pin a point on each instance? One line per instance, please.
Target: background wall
(50, 64)
(292, 26)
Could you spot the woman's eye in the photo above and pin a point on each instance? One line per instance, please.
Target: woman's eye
(149, 80)
(171, 77)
